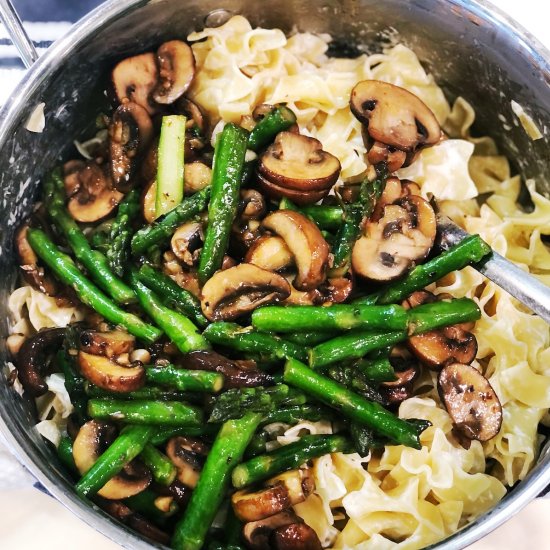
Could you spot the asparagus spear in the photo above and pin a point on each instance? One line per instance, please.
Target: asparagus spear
(469, 251)
(235, 337)
(170, 164)
(287, 457)
(229, 157)
(145, 503)
(353, 215)
(354, 380)
(234, 403)
(326, 216)
(162, 468)
(337, 317)
(183, 379)
(226, 452)
(420, 319)
(278, 120)
(162, 228)
(65, 453)
(364, 439)
(118, 247)
(124, 449)
(376, 371)
(157, 413)
(66, 271)
(172, 295)
(164, 433)
(297, 413)
(308, 338)
(152, 393)
(178, 328)
(93, 260)
(351, 405)
(74, 383)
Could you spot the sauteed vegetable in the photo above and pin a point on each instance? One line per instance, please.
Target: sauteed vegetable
(234, 285)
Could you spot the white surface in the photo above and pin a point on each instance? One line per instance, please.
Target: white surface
(28, 518)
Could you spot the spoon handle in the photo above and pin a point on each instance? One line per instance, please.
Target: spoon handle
(17, 33)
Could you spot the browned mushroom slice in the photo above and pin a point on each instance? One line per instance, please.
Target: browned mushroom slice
(393, 115)
(185, 242)
(393, 191)
(257, 534)
(299, 483)
(188, 455)
(261, 504)
(405, 234)
(441, 347)
(299, 162)
(306, 243)
(380, 152)
(148, 199)
(301, 198)
(471, 401)
(407, 370)
(195, 116)
(409, 187)
(251, 205)
(130, 132)
(108, 375)
(186, 278)
(110, 344)
(418, 298)
(28, 262)
(231, 293)
(92, 440)
(94, 197)
(176, 71)
(134, 78)
(271, 253)
(197, 176)
(296, 536)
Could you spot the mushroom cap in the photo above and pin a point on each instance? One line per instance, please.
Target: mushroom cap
(251, 205)
(471, 401)
(110, 344)
(188, 455)
(271, 253)
(176, 71)
(296, 536)
(186, 240)
(298, 162)
(405, 234)
(254, 506)
(381, 152)
(257, 534)
(134, 79)
(238, 290)
(108, 375)
(301, 198)
(393, 115)
(306, 243)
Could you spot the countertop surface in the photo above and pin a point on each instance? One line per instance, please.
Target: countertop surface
(29, 517)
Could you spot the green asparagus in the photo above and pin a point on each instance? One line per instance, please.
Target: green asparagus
(74, 384)
(66, 271)
(65, 453)
(163, 470)
(156, 413)
(227, 451)
(124, 449)
(185, 380)
(164, 433)
(229, 157)
(278, 120)
(326, 216)
(354, 380)
(287, 457)
(147, 392)
(376, 371)
(351, 405)
(297, 413)
(144, 503)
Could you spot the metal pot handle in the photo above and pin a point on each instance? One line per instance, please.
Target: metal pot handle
(17, 33)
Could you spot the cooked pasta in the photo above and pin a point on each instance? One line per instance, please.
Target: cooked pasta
(399, 498)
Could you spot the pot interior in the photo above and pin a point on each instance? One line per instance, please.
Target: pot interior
(470, 52)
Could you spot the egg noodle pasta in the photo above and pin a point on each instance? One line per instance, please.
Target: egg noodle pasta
(399, 498)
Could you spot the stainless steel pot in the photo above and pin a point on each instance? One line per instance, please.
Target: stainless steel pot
(471, 48)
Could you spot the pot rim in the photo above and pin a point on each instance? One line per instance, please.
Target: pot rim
(54, 56)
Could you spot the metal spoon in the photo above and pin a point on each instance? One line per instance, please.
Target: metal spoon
(520, 284)
(17, 33)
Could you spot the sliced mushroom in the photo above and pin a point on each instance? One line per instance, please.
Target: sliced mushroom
(186, 241)
(239, 290)
(108, 375)
(296, 536)
(301, 198)
(196, 119)
(394, 116)
(135, 78)
(299, 483)
(261, 504)
(28, 262)
(179, 491)
(308, 246)
(176, 71)
(32, 359)
(130, 132)
(93, 438)
(271, 253)
(332, 291)
(110, 344)
(94, 197)
(380, 152)
(471, 401)
(148, 202)
(235, 375)
(252, 205)
(188, 455)
(393, 191)
(452, 344)
(197, 176)
(407, 370)
(186, 278)
(257, 534)
(404, 234)
(299, 162)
